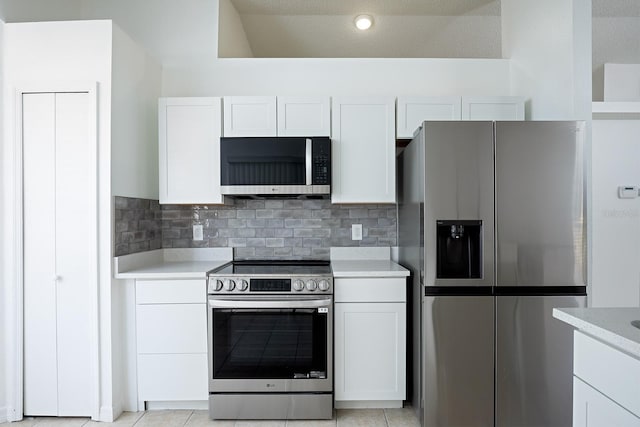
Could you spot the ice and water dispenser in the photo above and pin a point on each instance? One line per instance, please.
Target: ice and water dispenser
(459, 249)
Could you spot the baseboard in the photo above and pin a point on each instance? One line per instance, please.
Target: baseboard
(178, 404)
(362, 404)
(106, 414)
(4, 414)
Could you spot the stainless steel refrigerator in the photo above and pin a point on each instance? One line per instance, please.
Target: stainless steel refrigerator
(491, 220)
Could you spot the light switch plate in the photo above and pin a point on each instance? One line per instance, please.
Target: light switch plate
(198, 233)
(356, 232)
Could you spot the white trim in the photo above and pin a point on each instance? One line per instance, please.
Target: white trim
(15, 355)
(4, 416)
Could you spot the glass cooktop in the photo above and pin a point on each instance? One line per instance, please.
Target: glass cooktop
(274, 268)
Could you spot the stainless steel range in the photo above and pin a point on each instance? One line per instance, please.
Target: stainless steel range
(270, 338)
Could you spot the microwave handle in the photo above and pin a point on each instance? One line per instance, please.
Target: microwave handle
(307, 161)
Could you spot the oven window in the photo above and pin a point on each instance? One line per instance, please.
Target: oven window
(269, 343)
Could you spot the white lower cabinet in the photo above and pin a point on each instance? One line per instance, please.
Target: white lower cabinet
(606, 384)
(370, 341)
(593, 409)
(171, 340)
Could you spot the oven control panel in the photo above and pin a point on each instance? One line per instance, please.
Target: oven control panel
(266, 285)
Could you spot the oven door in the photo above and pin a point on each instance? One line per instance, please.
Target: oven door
(270, 344)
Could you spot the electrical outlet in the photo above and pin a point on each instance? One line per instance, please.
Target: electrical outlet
(356, 232)
(198, 233)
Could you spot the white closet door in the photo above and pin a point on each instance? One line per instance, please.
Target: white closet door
(40, 343)
(75, 251)
(59, 253)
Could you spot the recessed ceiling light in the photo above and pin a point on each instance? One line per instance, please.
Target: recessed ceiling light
(363, 22)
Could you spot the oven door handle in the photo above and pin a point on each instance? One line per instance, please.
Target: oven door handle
(257, 303)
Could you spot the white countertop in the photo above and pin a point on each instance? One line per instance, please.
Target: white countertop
(365, 262)
(367, 268)
(612, 325)
(171, 263)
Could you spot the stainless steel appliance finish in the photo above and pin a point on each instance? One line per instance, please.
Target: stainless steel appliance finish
(540, 202)
(275, 166)
(534, 360)
(496, 352)
(270, 343)
(459, 385)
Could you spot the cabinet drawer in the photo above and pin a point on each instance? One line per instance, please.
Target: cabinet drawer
(172, 328)
(171, 291)
(378, 289)
(610, 371)
(593, 409)
(168, 377)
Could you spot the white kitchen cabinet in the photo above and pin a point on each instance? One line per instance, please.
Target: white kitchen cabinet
(606, 384)
(249, 116)
(60, 252)
(593, 409)
(304, 116)
(171, 336)
(370, 341)
(189, 150)
(363, 150)
(492, 108)
(413, 110)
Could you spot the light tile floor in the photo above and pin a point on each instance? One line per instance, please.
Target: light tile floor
(404, 417)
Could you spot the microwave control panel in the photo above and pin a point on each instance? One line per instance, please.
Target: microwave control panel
(321, 173)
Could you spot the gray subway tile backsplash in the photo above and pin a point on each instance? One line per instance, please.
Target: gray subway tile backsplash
(255, 228)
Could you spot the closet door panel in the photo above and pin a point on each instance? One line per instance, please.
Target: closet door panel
(40, 347)
(75, 253)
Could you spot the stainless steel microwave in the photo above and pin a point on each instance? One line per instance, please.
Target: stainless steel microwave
(276, 166)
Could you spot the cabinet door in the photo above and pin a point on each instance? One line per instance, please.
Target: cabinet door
(189, 151)
(413, 110)
(363, 150)
(593, 409)
(304, 116)
(171, 328)
(370, 350)
(492, 108)
(59, 173)
(172, 377)
(249, 116)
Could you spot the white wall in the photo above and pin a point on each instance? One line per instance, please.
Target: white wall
(401, 36)
(340, 77)
(3, 232)
(52, 52)
(549, 45)
(232, 39)
(615, 40)
(616, 222)
(136, 81)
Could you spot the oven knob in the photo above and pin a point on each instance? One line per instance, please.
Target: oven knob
(242, 285)
(298, 285)
(229, 284)
(323, 285)
(216, 285)
(311, 285)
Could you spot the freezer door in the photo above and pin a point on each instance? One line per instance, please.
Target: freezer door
(458, 361)
(459, 185)
(540, 204)
(534, 361)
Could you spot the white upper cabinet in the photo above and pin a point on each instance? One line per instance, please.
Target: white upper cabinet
(246, 116)
(250, 116)
(189, 151)
(492, 108)
(363, 150)
(413, 110)
(304, 116)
